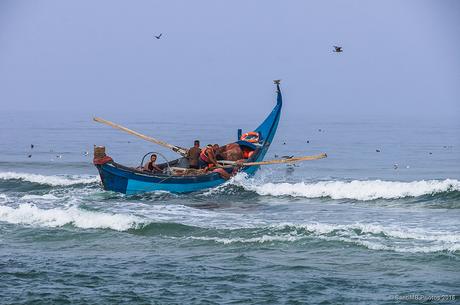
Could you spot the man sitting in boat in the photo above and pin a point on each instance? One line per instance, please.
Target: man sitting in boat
(207, 157)
(193, 155)
(151, 166)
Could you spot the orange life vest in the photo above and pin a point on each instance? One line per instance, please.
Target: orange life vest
(204, 155)
(247, 153)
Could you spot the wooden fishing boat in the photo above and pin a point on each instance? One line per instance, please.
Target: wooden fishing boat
(128, 180)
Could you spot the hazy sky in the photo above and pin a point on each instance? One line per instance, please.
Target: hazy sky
(401, 58)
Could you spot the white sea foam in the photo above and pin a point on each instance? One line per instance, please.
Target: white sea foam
(357, 189)
(53, 180)
(380, 237)
(46, 197)
(259, 239)
(366, 229)
(202, 218)
(32, 215)
(371, 236)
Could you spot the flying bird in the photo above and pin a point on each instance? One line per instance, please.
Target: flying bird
(338, 49)
(157, 37)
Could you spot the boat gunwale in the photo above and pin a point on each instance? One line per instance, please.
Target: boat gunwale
(135, 171)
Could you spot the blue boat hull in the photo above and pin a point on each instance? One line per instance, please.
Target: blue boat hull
(129, 182)
(119, 178)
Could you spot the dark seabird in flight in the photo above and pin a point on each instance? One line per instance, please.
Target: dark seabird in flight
(157, 37)
(337, 49)
(31, 146)
(29, 156)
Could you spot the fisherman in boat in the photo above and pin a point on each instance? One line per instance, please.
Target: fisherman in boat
(193, 155)
(217, 152)
(207, 157)
(151, 166)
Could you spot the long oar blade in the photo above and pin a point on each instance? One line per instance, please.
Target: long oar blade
(289, 160)
(180, 150)
(268, 162)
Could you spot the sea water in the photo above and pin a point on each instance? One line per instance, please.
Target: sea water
(377, 222)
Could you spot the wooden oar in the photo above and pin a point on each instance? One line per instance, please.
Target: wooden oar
(180, 150)
(290, 160)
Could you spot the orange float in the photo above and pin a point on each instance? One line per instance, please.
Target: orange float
(251, 137)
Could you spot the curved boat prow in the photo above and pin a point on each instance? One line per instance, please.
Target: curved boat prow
(269, 126)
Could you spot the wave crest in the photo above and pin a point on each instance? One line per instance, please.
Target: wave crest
(370, 236)
(53, 180)
(373, 236)
(57, 217)
(356, 189)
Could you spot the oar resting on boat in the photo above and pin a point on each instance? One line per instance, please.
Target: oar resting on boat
(238, 164)
(180, 150)
(268, 162)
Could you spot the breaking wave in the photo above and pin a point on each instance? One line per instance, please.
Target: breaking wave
(371, 236)
(171, 224)
(53, 180)
(356, 189)
(57, 217)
